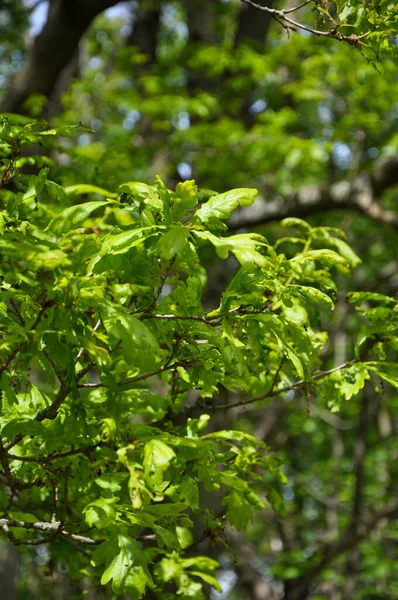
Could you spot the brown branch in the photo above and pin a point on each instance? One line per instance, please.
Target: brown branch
(207, 319)
(360, 449)
(6, 467)
(163, 369)
(17, 312)
(51, 411)
(45, 527)
(163, 279)
(361, 195)
(290, 10)
(56, 529)
(272, 393)
(280, 16)
(45, 304)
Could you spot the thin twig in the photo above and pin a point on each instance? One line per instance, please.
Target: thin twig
(17, 312)
(290, 10)
(52, 457)
(10, 358)
(163, 278)
(163, 369)
(280, 16)
(82, 350)
(272, 393)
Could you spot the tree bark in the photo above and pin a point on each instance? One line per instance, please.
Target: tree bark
(361, 195)
(52, 49)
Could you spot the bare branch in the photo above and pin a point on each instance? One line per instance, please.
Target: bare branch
(45, 527)
(290, 10)
(56, 529)
(280, 16)
(361, 195)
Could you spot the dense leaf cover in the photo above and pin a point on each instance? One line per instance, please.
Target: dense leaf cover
(111, 367)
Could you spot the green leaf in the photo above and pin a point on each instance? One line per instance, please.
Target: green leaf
(326, 257)
(239, 513)
(277, 503)
(140, 346)
(157, 458)
(122, 242)
(189, 492)
(353, 380)
(100, 513)
(147, 193)
(346, 252)
(360, 297)
(35, 187)
(84, 188)
(21, 425)
(297, 223)
(73, 217)
(243, 246)
(312, 294)
(128, 570)
(221, 206)
(208, 579)
(386, 370)
(187, 193)
(173, 242)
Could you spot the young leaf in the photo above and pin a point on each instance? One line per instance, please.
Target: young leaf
(84, 188)
(221, 206)
(73, 217)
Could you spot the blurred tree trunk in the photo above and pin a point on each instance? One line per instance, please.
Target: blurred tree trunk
(53, 49)
(8, 572)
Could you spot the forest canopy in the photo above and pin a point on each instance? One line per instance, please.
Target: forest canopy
(198, 311)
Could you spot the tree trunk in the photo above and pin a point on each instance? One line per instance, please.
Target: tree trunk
(52, 50)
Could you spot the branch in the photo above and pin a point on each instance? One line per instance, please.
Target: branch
(56, 529)
(207, 319)
(82, 350)
(43, 526)
(361, 195)
(6, 467)
(272, 393)
(51, 457)
(45, 304)
(163, 279)
(289, 23)
(163, 369)
(51, 411)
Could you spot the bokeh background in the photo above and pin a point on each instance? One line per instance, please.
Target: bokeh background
(223, 94)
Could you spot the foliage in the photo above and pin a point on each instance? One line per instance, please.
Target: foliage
(219, 92)
(300, 111)
(111, 366)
